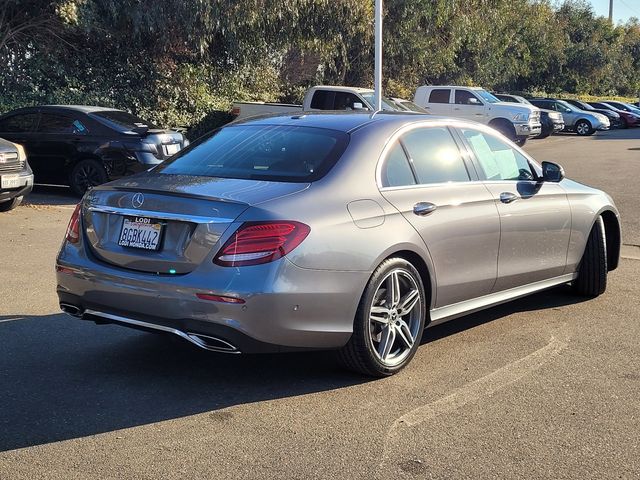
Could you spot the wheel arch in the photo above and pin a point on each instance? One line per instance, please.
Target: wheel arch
(614, 238)
(426, 274)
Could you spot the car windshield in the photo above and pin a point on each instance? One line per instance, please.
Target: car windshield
(567, 105)
(387, 103)
(120, 120)
(633, 109)
(486, 96)
(409, 106)
(261, 152)
(585, 106)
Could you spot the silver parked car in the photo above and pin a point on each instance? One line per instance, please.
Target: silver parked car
(582, 122)
(332, 231)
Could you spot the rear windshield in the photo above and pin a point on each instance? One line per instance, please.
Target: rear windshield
(261, 152)
(121, 120)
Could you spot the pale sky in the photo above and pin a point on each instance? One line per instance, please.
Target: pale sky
(622, 9)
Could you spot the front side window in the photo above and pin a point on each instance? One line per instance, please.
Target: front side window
(52, 123)
(346, 101)
(464, 97)
(435, 156)
(396, 171)
(261, 152)
(498, 160)
(19, 123)
(439, 95)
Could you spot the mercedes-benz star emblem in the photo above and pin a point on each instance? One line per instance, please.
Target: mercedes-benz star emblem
(137, 200)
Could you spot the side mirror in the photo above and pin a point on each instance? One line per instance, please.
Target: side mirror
(358, 106)
(552, 172)
(473, 101)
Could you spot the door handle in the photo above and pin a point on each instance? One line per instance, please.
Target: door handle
(508, 197)
(424, 208)
(456, 108)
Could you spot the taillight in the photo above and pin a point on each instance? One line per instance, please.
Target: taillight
(261, 242)
(73, 229)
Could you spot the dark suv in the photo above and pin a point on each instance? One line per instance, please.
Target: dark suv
(16, 178)
(84, 146)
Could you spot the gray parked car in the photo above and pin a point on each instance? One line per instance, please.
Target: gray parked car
(333, 231)
(575, 119)
(16, 177)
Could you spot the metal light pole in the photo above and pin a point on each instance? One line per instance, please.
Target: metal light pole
(377, 83)
(611, 11)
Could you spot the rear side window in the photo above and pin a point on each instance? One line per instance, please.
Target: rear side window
(119, 120)
(261, 152)
(435, 156)
(319, 100)
(396, 171)
(439, 95)
(19, 123)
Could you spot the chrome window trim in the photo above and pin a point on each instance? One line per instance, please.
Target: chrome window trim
(449, 124)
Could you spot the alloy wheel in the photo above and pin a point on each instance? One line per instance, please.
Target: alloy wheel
(394, 317)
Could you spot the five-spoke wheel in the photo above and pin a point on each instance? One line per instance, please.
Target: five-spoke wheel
(390, 320)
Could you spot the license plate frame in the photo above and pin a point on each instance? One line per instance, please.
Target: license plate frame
(171, 148)
(141, 233)
(10, 181)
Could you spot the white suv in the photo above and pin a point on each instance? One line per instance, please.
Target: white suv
(517, 122)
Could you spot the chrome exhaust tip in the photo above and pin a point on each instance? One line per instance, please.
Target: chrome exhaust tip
(70, 309)
(212, 343)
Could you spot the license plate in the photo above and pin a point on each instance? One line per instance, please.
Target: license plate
(10, 181)
(171, 149)
(140, 232)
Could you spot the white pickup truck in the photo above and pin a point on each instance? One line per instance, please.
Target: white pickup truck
(515, 121)
(323, 97)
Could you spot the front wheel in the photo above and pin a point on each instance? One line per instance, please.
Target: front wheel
(584, 128)
(10, 204)
(389, 322)
(592, 275)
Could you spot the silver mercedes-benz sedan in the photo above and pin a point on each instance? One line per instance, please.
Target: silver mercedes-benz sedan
(332, 231)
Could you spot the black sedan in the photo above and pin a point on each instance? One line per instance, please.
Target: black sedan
(83, 146)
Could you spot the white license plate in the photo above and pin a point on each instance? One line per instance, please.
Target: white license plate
(10, 181)
(140, 232)
(171, 149)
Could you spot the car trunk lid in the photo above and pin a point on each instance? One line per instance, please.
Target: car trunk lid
(190, 213)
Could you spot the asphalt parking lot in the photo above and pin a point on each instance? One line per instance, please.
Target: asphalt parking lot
(543, 387)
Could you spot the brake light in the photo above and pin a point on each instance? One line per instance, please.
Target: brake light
(73, 229)
(261, 242)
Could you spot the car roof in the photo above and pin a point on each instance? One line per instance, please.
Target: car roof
(62, 108)
(342, 88)
(348, 122)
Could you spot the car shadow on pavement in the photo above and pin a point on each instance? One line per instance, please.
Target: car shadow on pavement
(556, 297)
(51, 195)
(62, 378)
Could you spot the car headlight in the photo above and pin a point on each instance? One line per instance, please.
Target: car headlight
(601, 117)
(521, 117)
(555, 116)
(22, 155)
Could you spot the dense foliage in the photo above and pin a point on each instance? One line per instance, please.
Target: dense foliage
(177, 62)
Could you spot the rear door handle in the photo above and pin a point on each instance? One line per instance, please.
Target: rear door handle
(508, 197)
(424, 208)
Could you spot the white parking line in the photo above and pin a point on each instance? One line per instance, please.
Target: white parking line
(475, 390)
(11, 319)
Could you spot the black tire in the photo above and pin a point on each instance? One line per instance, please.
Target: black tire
(584, 128)
(86, 174)
(10, 204)
(592, 274)
(360, 353)
(506, 128)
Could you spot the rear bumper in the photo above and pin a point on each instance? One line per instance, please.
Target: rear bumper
(26, 185)
(286, 307)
